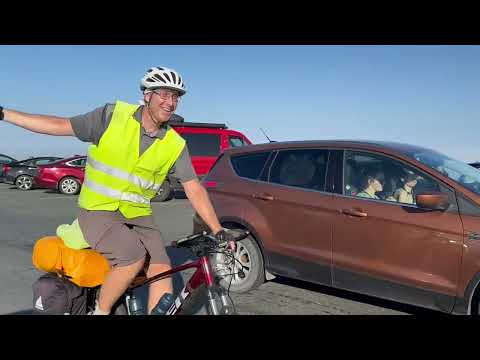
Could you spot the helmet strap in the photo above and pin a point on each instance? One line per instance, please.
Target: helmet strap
(155, 120)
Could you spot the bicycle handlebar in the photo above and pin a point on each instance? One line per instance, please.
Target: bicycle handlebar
(207, 240)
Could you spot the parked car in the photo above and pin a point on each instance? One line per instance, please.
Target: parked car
(332, 213)
(205, 142)
(65, 175)
(4, 160)
(21, 173)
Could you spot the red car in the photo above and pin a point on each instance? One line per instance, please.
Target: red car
(65, 175)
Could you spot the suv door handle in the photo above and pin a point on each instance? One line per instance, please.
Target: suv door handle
(266, 197)
(351, 212)
(473, 236)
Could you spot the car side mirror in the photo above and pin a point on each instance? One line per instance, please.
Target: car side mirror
(433, 201)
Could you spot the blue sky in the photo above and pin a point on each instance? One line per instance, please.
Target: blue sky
(423, 95)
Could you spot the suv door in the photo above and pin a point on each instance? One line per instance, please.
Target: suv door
(298, 214)
(392, 249)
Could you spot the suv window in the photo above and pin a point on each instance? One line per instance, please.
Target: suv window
(202, 144)
(300, 168)
(236, 141)
(379, 177)
(251, 165)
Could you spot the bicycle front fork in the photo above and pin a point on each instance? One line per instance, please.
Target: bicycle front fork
(224, 307)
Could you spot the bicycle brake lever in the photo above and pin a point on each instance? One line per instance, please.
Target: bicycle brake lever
(243, 235)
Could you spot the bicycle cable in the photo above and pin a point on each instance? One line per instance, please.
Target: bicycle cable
(229, 255)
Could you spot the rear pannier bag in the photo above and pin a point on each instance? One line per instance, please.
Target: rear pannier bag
(55, 295)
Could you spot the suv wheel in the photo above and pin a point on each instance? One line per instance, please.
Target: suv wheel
(248, 270)
(24, 182)
(165, 193)
(475, 305)
(69, 186)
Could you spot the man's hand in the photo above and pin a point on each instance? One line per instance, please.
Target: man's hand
(224, 235)
(43, 124)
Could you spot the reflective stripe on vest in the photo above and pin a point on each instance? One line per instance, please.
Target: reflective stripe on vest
(115, 194)
(131, 178)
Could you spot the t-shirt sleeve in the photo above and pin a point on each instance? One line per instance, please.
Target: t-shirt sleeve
(183, 168)
(90, 127)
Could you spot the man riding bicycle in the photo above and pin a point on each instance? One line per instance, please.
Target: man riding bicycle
(133, 149)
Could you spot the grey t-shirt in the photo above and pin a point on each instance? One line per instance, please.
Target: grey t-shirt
(91, 126)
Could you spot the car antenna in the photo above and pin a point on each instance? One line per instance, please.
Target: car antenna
(266, 135)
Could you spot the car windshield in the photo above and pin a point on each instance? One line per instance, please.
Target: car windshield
(458, 171)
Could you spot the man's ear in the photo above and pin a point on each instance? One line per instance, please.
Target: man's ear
(146, 97)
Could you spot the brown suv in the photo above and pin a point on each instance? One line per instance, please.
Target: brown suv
(391, 220)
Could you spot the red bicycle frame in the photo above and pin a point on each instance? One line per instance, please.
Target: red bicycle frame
(203, 275)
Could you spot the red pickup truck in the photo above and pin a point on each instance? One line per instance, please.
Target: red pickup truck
(205, 141)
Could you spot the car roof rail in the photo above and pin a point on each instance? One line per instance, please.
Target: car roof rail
(197, 124)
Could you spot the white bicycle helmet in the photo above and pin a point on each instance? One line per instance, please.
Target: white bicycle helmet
(162, 77)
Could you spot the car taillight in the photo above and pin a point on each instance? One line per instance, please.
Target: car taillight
(6, 169)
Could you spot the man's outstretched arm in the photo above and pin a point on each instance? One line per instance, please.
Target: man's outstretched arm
(43, 124)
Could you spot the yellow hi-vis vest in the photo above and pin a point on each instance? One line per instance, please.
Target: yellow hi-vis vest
(116, 177)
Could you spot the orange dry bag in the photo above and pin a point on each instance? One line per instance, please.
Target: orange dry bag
(86, 267)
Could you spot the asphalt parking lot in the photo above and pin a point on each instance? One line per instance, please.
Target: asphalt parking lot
(28, 216)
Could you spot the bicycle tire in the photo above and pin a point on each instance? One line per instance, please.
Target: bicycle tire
(194, 305)
(223, 310)
(197, 303)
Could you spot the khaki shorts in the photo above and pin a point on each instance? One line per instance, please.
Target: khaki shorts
(122, 241)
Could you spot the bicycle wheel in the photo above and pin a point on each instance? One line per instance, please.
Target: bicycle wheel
(203, 301)
(195, 304)
(219, 303)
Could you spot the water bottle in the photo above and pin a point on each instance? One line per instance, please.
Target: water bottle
(135, 306)
(163, 305)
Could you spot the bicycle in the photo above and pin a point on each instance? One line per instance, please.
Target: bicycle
(203, 279)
